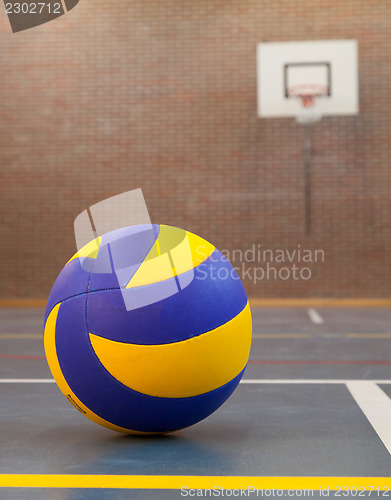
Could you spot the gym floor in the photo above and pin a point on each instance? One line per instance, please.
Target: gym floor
(313, 408)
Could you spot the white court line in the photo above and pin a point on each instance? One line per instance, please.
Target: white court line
(315, 316)
(308, 381)
(376, 406)
(373, 402)
(243, 381)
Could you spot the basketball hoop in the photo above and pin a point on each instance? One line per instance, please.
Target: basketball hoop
(308, 93)
(307, 115)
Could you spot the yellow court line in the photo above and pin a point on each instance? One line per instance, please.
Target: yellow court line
(193, 482)
(21, 336)
(254, 301)
(327, 335)
(281, 336)
(369, 335)
(325, 302)
(10, 336)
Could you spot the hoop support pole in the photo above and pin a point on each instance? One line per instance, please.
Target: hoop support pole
(307, 174)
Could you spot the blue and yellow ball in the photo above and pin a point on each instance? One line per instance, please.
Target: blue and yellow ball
(154, 344)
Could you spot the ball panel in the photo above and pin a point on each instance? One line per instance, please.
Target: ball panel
(180, 369)
(90, 250)
(99, 392)
(51, 356)
(72, 281)
(175, 252)
(206, 303)
(84, 270)
(126, 250)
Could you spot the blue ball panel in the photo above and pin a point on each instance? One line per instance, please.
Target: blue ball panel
(201, 306)
(72, 281)
(128, 248)
(76, 278)
(110, 399)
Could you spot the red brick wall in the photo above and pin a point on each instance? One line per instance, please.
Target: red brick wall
(161, 95)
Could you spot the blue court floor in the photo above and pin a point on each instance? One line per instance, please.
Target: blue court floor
(312, 411)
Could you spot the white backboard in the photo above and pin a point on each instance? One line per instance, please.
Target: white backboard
(329, 63)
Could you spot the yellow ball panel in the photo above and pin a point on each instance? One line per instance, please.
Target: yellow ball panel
(180, 369)
(51, 356)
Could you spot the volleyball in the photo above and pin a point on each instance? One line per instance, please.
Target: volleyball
(147, 329)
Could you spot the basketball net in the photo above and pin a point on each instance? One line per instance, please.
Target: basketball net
(308, 94)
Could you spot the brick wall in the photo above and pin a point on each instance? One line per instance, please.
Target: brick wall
(161, 95)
